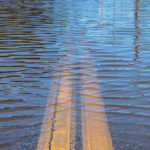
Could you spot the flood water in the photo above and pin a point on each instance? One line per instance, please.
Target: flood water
(40, 39)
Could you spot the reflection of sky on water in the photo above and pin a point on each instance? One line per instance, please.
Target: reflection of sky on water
(35, 35)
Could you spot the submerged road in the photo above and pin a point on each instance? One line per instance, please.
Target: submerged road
(56, 128)
(74, 116)
(74, 75)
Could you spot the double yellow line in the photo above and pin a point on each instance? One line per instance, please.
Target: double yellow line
(56, 126)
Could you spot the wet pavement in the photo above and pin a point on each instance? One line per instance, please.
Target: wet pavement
(94, 50)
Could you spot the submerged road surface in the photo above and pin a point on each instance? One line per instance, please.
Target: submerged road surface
(74, 75)
(60, 128)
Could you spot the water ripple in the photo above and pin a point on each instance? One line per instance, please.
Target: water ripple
(109, 38)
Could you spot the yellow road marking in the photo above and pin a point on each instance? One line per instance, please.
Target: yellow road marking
(56, 126)
(95, 132)
(55, 133)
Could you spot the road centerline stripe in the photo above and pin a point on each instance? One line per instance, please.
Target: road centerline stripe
(95, 131)
(55, 132)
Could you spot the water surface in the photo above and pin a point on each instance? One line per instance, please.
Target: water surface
(111, 37)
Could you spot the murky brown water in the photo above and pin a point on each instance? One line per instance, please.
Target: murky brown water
(111, 37)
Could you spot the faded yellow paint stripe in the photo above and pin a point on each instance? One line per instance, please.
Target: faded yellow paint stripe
(55, 132)
(95, 132)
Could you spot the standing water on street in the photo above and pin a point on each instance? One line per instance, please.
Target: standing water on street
(75, 75)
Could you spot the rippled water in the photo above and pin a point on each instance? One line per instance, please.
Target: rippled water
(108, 37)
